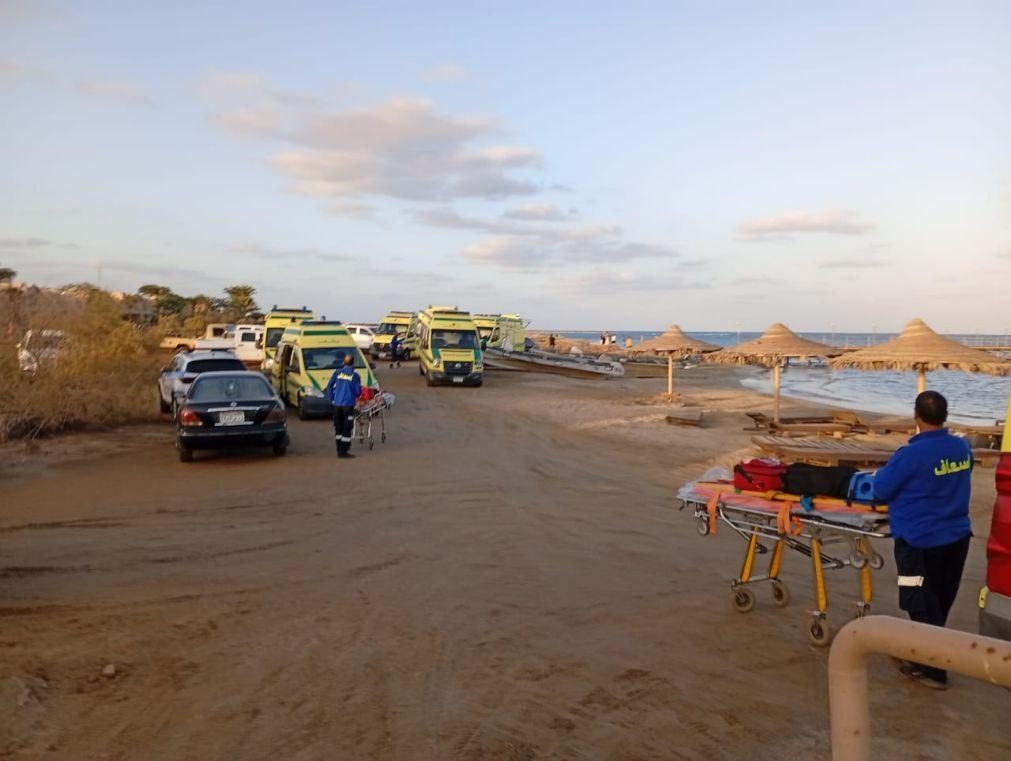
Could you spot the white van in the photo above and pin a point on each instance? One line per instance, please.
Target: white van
(363, 336)
(248, 344)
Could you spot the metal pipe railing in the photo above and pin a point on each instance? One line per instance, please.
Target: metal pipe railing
(973, 655)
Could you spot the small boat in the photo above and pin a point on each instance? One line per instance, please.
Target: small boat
(636, 368)
(535, 361)
(500, 353)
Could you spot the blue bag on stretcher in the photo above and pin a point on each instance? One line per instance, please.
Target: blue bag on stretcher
(862, 486)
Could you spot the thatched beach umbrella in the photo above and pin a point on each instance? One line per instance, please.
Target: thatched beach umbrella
(674, 343)
(774, 349)
(921, 349)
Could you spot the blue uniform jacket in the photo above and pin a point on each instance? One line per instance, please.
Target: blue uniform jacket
(926, 485)
(344, 387)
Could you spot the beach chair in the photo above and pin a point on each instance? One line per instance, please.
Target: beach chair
(834, 452)
(685, 417)
(827, 428)
(822, 451)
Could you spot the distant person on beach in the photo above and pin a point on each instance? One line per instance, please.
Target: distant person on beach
(628, 342)
(613, 339)
(343, 391)
(396, 350)
(551, 341)
(603, 339)
(927, 487)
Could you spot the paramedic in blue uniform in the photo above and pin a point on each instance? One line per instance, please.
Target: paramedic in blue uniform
(343, 391)
(927, 485)
(396, 350)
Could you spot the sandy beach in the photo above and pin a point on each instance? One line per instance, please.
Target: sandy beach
(507, 578)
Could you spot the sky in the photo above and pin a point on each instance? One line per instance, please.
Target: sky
(590, 165)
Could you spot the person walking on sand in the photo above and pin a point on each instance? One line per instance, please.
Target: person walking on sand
(395, 350)
(927, 487)
(551, 341)
(343, 391)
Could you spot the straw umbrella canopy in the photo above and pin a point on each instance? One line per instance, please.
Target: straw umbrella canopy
(774, 348)
(920, 349)
(674, 343)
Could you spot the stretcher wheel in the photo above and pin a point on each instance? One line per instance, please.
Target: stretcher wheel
(780, 594)
(372, 442)
(744, 600)
(819, 632)
(877, 562)
(702, 525)
(382, 437)
(858, 560)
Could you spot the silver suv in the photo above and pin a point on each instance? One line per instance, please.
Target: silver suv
(178, 374)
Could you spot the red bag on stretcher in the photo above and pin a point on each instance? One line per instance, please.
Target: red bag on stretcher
(759, 475)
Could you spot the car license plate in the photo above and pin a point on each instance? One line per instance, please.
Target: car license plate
(231, 418)
(457, 380)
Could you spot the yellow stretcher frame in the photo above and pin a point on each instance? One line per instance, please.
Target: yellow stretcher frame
(754, 523)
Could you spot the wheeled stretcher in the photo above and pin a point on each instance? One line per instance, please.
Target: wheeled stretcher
(787, 522)
(370, 414)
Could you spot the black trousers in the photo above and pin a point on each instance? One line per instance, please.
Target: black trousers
(343, 426)
(928, 583)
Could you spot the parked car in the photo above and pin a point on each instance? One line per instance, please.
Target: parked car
(363, 335)
(230, 409)
(995, 597)
(38, 347)
(184, 368)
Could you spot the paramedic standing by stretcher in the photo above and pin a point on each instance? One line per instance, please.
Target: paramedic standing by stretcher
(927, 486)
(343, 391)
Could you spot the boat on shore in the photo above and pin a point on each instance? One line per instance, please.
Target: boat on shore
(507, 348)
(535, 361)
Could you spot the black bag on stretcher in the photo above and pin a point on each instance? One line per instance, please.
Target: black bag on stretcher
(818, 480)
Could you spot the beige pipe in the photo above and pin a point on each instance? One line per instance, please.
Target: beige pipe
(921, 381)
(980, 657)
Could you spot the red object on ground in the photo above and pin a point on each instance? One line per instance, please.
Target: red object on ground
(759, 475)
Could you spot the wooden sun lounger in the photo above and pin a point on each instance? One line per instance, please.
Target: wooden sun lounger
(834, 452)
(827, 422)
(685, 417)
(822, 451)
(810, 429)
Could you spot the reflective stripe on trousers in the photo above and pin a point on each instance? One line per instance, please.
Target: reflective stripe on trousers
(910, 581)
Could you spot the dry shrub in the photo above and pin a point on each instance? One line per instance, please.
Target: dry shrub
(105, 374)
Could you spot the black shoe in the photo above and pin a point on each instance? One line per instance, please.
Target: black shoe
(346, 456)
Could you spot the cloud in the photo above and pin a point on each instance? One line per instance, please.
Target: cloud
(851, 264)
(756, 280)
(443, 73)
(116, 91)
(20, 244)
(783, 226)
(591, 243)
(604, 281)
(13, 11)
(402, 148)
(537, 212)
(1003, 253)
(15, 72)
(285, 255)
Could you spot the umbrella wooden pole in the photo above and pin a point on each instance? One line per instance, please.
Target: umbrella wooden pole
(670, 376)
(921, 381)
(776, 383)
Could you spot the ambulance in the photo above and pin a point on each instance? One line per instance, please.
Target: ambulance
(279, 320)
(307, 355)
(449, 350)
(394, 323)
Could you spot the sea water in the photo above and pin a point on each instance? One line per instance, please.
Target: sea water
(972, 398)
